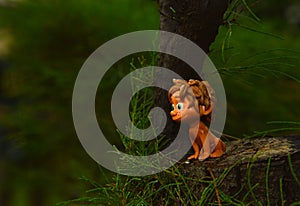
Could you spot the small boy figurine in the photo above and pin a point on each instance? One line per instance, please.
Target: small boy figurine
(192, 103)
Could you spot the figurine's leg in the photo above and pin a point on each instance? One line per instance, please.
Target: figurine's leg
(196, 149)
(219, 150)
(203, 154)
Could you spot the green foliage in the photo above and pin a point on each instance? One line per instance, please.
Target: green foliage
(263, 65)
(51, 40)
(171, 187)
(281, 127)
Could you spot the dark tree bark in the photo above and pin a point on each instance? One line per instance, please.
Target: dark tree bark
(246, 162)
(249, 176)
(197, 20)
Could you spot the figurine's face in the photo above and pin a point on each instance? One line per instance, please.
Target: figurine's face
(182, 111)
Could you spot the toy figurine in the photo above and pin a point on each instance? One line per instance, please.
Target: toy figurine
(192, 103)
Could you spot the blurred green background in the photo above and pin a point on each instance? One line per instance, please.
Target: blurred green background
(43, 44)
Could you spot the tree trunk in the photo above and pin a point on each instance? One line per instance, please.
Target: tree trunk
(254, 171)
(264, 170)
(197, 20)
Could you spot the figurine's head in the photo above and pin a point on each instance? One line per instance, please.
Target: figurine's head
(190, 100)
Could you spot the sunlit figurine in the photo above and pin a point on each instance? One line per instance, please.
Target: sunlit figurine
(192, 104)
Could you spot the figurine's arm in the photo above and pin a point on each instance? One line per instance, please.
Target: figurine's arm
(205, 137)
(196, 150)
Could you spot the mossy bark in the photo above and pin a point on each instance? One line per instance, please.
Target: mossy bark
(262, 170)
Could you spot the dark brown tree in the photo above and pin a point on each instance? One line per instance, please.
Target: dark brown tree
(196, 20)
(259, 171)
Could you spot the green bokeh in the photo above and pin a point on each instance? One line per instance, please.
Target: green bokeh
(48, 41)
